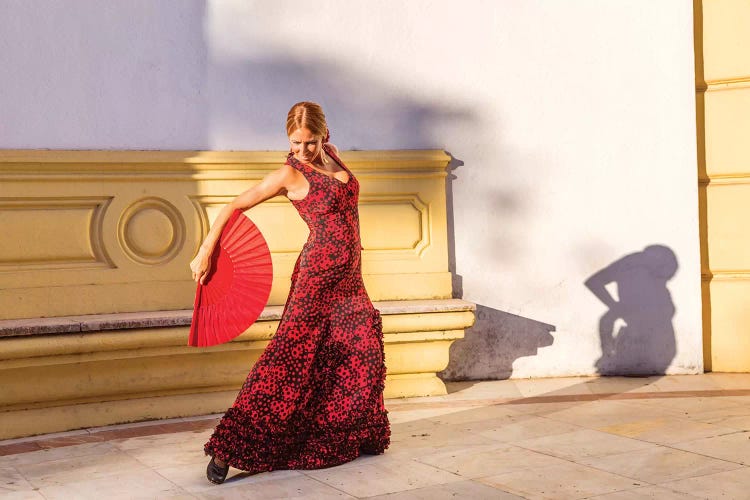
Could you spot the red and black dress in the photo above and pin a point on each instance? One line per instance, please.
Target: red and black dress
(315, 397)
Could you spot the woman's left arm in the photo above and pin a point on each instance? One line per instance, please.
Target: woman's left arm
(273, 184)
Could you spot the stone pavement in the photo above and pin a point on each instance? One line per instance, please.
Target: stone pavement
(611, 438)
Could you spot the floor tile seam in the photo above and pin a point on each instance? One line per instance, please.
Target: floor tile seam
(104, 436)
(714, 414)
(600, 495)
(514, 491)
(683, 416)
(412, 459)
(652, 417)
(32, 487)
(728, 427)
(443, 469)
(645, 403)
(572, 498)
(436, 419)
(108, 475)
(150, 467)
(182, 490)
(66, 483)
(481, 433)
(499, 445)
(734, 431)
(643, 441)
(738, 466)
(558, 421)
(645, 483)
(575, 461)
(666, 484)
(673, 446)
(329, 485)
(465, 480)
(52, 463)
(568, 460)
(484, 448)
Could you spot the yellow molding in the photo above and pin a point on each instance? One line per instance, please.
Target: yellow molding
(726, 276)
(725, 84)
(144, 162)
(724, 180)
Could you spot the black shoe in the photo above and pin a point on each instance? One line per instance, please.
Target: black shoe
(216, 474)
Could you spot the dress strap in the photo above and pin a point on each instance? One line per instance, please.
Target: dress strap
(301, 168)
(292, 161)
(336, 158)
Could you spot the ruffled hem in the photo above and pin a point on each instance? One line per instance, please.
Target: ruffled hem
(248, 441)
(240, 443)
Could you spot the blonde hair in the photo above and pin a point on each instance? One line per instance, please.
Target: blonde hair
(307, 115)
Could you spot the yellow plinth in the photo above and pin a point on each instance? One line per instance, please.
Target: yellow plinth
(61, 382)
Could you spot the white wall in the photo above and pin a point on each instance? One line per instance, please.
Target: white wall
(572, 125)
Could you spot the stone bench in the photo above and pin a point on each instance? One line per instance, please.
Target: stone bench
(71, 372)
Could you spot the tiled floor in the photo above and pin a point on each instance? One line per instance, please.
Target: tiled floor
(677, 437)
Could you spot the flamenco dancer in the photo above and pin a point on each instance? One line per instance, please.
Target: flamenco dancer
(314, 399)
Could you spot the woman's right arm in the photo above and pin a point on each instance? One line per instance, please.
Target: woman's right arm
(276, 183)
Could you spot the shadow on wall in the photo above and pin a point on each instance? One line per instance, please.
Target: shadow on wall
(636, 333)
(456, 279)
(496, 340)
(364, 111)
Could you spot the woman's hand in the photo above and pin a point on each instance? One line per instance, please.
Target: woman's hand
(200, 265)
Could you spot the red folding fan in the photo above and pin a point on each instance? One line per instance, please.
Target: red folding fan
(237, 286)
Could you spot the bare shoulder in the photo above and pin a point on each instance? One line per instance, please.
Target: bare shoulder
(333, 147)
(287, 170)
(284, 172)
(287, 176)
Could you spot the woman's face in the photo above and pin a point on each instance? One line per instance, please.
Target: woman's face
(305, 146)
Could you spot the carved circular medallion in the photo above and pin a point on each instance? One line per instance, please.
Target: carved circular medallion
(151, 231)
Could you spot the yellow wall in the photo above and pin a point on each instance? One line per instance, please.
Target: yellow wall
(723, 97)
(88, 232)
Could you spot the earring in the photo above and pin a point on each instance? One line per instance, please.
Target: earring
(322, 154)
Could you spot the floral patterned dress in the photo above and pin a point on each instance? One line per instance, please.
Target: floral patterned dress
(314, 399)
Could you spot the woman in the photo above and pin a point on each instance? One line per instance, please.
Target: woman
(315, 397)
